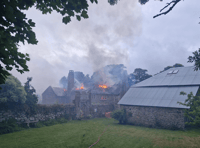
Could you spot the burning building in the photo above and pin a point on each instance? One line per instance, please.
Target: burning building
(106, 86)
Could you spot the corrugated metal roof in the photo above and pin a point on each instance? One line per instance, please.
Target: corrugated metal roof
(157, 96)
(59, 91)
(184, 76)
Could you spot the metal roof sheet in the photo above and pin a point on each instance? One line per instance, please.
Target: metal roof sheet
(157, 96)
(184, 76)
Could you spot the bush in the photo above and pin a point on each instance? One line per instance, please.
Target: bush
(62, 120)
(39, 124)
(50, 122)
(120, 115)
(9, 126)
(88, 117)
(193, 113)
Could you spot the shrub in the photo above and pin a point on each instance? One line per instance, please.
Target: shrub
(120, 115)
(50, 122)
(39, 124)
(89, 116)
(62, 120)
(9, 126)
(193, 113)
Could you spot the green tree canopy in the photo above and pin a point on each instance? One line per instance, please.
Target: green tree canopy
(12, 92)
(138, 75)
(193, 113)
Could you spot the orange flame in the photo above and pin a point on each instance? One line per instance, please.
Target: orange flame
(65, 90)
(103, 86)
(82, 87)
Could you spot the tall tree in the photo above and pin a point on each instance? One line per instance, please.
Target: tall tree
(64, 82)
(196, 59)
(12, 93)
(138, 75)
(31, 98)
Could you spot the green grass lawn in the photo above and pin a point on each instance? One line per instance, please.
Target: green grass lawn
(76, 134)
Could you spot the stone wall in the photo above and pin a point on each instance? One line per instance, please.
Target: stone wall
(44, 113)
(170, 118)
(81, 103)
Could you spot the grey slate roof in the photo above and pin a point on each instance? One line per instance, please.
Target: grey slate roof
(163, 90)
(157, 96)
(59, 91)
(185, 76)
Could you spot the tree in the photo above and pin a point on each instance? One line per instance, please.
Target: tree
(15, 28)
(64, 82)
(193, 113)
(196, 59)
(31, 98)
(138, 75)
(12, 93)
(169, 5)
(175, 65)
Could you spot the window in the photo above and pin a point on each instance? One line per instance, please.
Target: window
(103, 98)
(175, 71)
(170, 72)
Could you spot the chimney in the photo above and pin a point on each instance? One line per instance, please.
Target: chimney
(70, 80)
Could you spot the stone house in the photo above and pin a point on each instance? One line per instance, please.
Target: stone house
(55, 95)
(105, 99)
(153, 102)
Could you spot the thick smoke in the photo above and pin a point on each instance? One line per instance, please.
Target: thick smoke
(86, 45)
(110, 75)
(107, 44)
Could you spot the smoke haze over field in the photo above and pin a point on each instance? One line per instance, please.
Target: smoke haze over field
(124, 33)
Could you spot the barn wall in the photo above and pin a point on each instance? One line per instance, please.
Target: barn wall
(170, 118)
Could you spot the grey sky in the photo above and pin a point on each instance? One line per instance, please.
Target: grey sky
(125, 33)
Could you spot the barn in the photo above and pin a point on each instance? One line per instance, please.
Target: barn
(153, 102)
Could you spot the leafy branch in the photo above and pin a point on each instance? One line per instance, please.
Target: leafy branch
(174, 2)
(193, 113)
(196, 59)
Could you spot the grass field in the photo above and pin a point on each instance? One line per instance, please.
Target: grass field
(82, 134)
